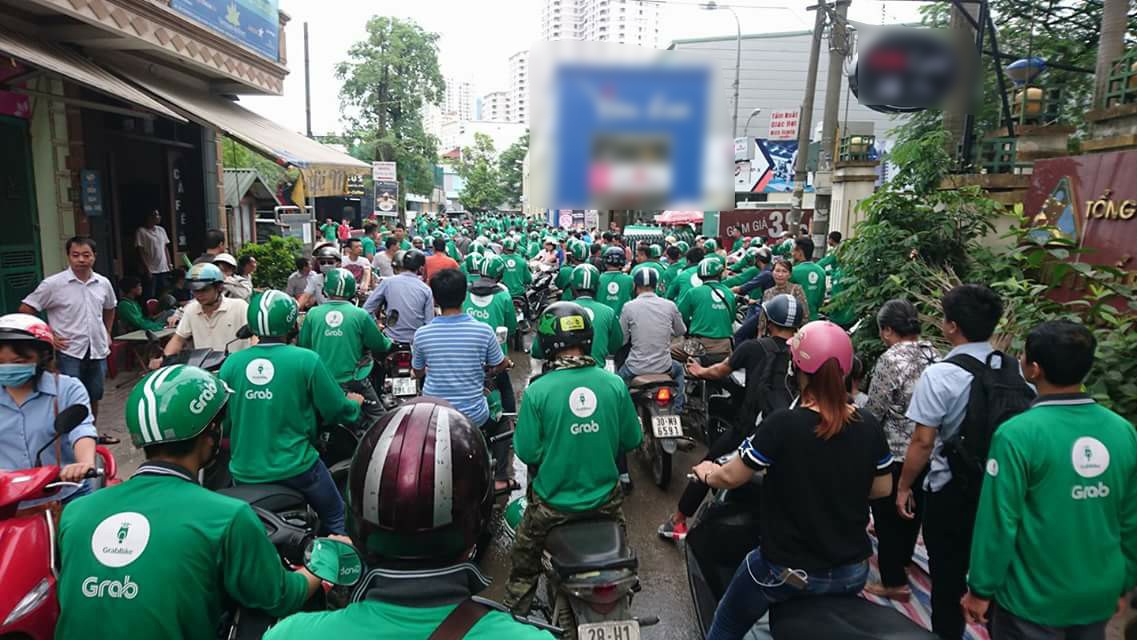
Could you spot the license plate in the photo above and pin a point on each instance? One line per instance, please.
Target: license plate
(404, 386)
(617, 630)
(520, 317)
(610, 366)
(666, 426)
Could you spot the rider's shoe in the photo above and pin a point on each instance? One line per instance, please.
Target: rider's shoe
(626, 483)
(899, 594)
(671, 530)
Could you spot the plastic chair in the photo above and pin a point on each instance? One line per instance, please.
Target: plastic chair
(151, 307)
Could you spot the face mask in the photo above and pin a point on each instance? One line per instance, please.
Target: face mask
(14, 375)
(324, 268)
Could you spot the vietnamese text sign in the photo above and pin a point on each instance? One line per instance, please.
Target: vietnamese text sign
(92, 192)
(253, 23)
(761, 223)
(783, 125)
(383, 171)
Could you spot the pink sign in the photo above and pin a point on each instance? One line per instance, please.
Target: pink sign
(14, 104)
(783, 125)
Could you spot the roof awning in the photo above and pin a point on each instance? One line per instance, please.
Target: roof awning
(60, 60)
(325, 169)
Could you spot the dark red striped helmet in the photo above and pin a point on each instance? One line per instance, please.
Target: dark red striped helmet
(420, 486)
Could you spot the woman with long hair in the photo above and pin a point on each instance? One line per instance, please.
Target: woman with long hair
(782, 269)
(893, 380)
(824, 460)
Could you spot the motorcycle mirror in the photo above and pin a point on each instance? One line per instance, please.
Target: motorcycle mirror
(70, 418)
(332, 561)
(244, 333)
(502, 334)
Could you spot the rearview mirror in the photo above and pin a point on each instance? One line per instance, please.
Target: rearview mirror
(502, 334)
(70, 418)
(332, 561)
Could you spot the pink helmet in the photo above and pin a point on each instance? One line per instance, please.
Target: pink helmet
(815, 343)
(25, 327)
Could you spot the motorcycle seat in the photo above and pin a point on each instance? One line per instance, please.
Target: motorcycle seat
(651, 380)
(847, 617)
(589, 545)
(270, 497)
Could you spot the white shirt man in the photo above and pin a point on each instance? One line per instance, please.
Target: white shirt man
(152, 242)
(214, 331)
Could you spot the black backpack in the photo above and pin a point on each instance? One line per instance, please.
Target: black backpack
(996, 396)
(773, 391)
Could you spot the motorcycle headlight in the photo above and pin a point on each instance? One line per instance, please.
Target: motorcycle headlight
(30, 601)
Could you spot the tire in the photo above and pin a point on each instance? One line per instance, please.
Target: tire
(658, 460)
(565, 618)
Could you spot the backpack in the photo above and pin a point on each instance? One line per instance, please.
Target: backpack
(996, 396)
(773, 392)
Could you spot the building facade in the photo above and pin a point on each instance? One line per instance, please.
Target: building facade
(458, 101)
(623, 21)
(519, 87)
(496, 107)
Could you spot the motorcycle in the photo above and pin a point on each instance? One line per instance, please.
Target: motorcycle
(590, 578)
(654, 397)
(28, 552)
(540, 293)
(724, 530)
(521, 312)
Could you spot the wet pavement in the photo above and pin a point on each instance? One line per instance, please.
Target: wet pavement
(662, 569)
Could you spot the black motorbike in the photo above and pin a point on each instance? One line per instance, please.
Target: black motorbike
(724, 531)
(539, 294)
(654, 397)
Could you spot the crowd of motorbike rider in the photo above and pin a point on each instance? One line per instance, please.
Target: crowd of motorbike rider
(421, 487)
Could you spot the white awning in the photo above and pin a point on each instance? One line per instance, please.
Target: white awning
(66, 62)
(325, 169)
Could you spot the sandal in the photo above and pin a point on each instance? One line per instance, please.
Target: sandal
(899, 594)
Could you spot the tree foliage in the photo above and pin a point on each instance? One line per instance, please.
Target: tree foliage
(510, 166)
(235, 155)
(276, 260)
(478, 167)
(388, 78)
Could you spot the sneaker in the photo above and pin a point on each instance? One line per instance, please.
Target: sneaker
(672, 530)
(626, 483)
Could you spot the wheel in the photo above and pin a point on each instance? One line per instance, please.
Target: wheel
(658, 460)
(565, 618)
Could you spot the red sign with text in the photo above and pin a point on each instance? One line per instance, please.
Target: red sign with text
(770, 224)
(783, 125)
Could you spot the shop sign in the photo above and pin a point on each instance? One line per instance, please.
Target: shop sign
(384, 172)
(252, 23)
(1090, 200)
(386, 197)
(770, 224)
(355, 187)
(783, 125)
(178, 197)
(92, 193)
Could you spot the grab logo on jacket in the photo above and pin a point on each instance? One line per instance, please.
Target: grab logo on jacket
(334, 319)
(1090, 457)
(120, 539)
(260, 371)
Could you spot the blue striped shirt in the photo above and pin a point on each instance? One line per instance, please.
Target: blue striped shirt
(455, 350)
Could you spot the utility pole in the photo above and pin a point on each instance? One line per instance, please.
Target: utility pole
(307, 85)
(805, 121)
(838, 49)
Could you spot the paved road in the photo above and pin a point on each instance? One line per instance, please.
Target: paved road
(662, 570)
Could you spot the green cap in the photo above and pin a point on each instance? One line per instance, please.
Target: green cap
(585, 277)
(272, 314)
(173, 403)
(339, 283)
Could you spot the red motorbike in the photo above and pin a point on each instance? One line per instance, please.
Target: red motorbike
(29, 558)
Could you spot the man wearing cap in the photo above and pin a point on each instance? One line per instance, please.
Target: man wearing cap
(235, 286)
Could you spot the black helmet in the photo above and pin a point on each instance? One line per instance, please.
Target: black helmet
(784, 311)
(430, 522)
(414, 260)
(563, 325)
(327, 258)
(615, 257)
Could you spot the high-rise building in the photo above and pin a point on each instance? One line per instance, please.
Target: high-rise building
(458, 100)
(496, 107)
(623, 21)
(519, 87)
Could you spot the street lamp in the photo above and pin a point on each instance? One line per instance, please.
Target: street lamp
(711, 6)
(751, 117)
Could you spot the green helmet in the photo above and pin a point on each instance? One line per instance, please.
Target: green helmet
(578, 250)
(744, 262)
(654, 251)
(339, 283)
(710, 267)
(474, 262)
(585, 277)
(534, 236)
(757, 241)
(272, 314)
(509, 244)
(710, 246)
(174, 403)
(683, 246)
(493, 267)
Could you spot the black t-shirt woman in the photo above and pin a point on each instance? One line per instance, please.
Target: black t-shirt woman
(823, 460)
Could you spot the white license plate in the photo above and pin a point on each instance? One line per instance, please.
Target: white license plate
(404, 386)
(666, 426)
(617, 630)
(520, 317)
(610, 366)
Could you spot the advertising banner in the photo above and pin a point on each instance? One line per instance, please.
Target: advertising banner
(252, 23)
(384, 171)
(781, 156)
(386, 198)
(783, 125)
(762, 223)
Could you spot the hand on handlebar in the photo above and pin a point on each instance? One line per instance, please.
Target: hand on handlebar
(76, 472)
(355, 397)
(155, 363)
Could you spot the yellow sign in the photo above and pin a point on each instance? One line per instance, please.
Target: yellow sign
(1111, 209)
(572, 323)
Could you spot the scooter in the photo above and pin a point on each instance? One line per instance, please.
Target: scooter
(654, 397)
(724, 530)
(28, 554)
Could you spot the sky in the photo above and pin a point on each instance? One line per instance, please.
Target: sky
(478, 36)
